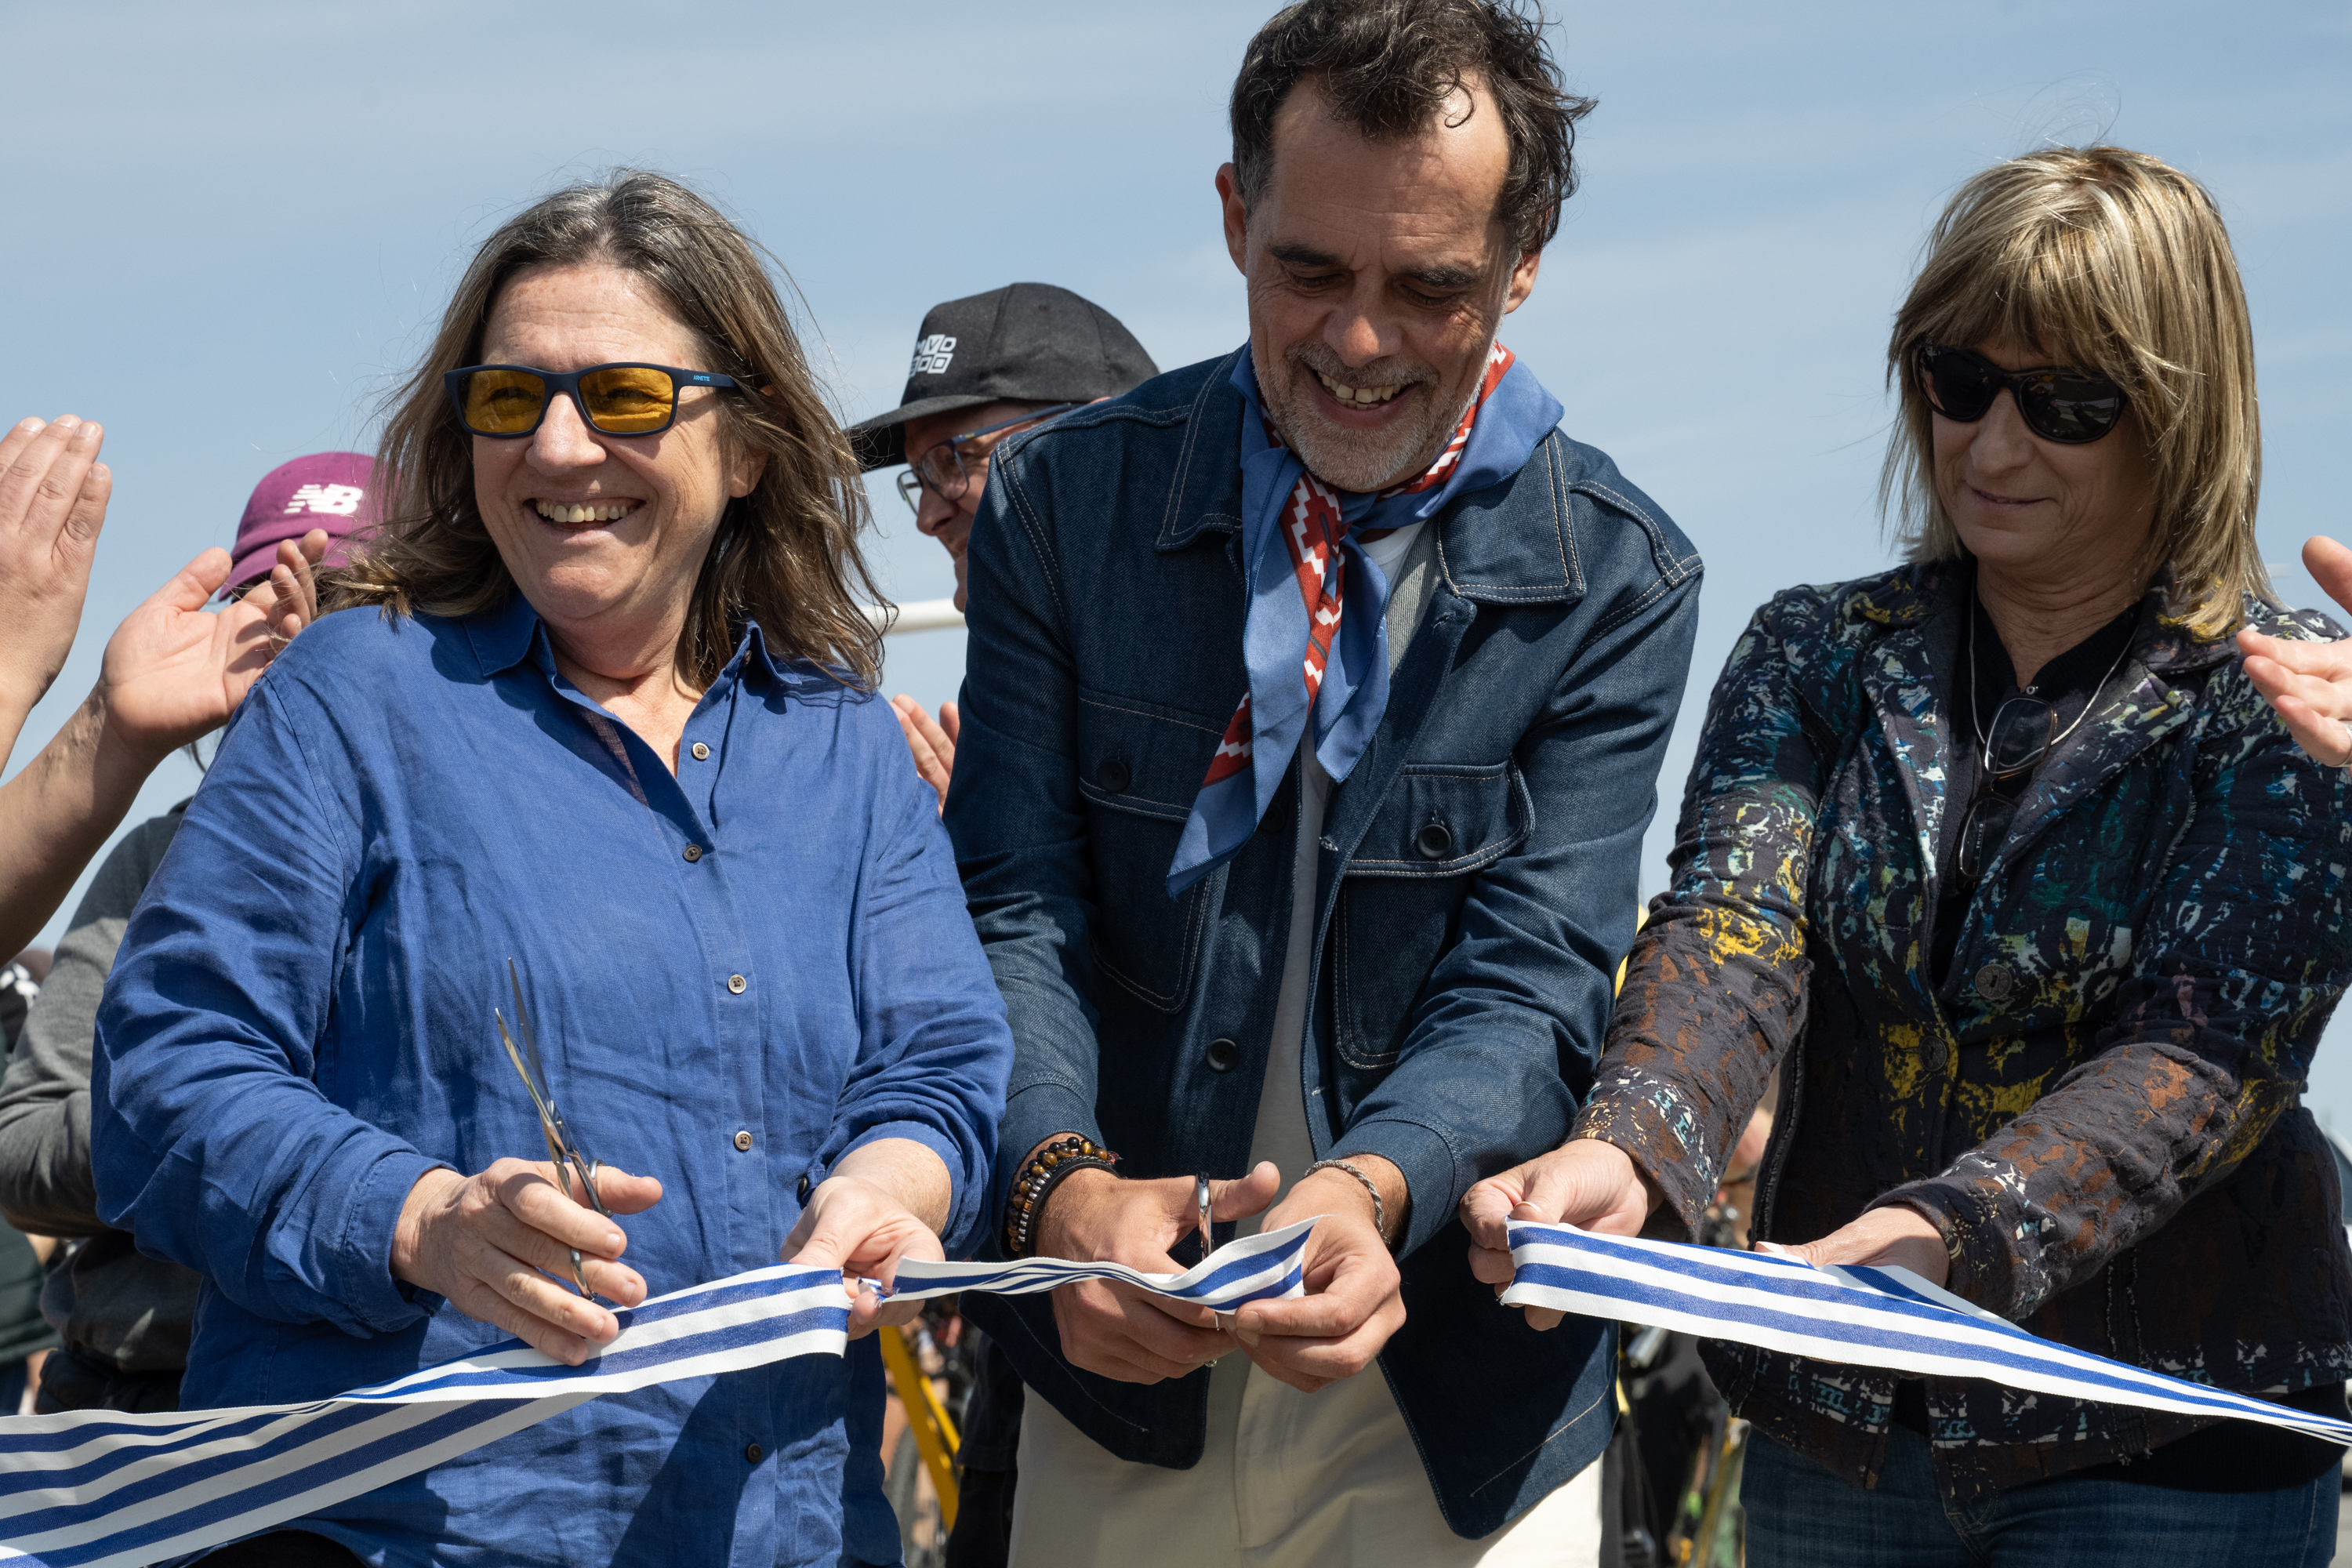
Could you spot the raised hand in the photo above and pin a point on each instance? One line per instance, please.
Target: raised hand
(1117, 1330)
(1585, 1182)
(173, 670)
(53, 495)
(2310, 683)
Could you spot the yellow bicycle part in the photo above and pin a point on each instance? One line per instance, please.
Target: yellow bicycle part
(935, 1432)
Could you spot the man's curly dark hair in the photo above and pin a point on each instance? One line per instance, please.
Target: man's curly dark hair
(1386, 67)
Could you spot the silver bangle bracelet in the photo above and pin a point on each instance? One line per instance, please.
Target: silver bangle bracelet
(1379, 1209)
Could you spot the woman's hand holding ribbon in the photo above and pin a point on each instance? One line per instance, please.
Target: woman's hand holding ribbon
(1894, 1236)
(1585, 1182)
(1116, 1330)
(882, 1201)
(496, 1245)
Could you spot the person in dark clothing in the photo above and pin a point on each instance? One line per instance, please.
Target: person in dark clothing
(2002, 860)
(123, 1316)
(24, 1336)
(985, 369)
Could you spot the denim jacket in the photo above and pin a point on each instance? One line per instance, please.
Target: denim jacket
(1463, 975)
(2100, 1105)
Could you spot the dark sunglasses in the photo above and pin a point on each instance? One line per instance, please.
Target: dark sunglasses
(2019, 740)
(2070, 406)
(942, 468)
(508, 400)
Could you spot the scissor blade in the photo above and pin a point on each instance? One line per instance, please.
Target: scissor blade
(529, 1036)
(539, 1102)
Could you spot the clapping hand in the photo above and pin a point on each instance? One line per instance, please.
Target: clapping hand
(175, 671)
(53, 495)
(2310, 683)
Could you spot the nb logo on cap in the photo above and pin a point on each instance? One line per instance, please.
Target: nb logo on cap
(336, 500)
(933, 355)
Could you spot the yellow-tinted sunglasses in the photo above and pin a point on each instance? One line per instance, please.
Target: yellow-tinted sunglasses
(510, 400)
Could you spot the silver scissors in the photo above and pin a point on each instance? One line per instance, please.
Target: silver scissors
(1224, 1320)
(562, 1149)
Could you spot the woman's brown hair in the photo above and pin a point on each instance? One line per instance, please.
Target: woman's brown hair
(2108, 261)
(785, 556)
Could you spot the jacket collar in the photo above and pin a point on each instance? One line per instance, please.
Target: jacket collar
(1508, 544)
(1923, 608)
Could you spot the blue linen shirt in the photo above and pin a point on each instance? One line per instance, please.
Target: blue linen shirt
(298, 1027)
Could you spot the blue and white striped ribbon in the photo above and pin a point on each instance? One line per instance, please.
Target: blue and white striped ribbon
(1884, 1318)
(1253, 1268)
(101, 1489)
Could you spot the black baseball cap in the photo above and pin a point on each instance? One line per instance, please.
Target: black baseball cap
(1025, 343)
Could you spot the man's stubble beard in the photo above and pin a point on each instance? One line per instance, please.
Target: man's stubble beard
(1360, 460)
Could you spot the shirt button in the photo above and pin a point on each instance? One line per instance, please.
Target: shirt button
(752, 1451)
(1224, 1056)
(743, 1140)
(693, 853)
(1995, 981)
(701, 752)
(736, 983)
(803, 1189)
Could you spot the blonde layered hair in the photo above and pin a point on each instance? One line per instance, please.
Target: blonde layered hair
(2109, 260)
(785, 556)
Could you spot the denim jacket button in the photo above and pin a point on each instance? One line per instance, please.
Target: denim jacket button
(1995, 981)
(1434, 841)
(1111, 775)
(1224, 1056)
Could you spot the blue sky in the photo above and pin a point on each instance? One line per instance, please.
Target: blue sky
(231, 228)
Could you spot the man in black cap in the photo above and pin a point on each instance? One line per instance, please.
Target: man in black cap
(984, 368)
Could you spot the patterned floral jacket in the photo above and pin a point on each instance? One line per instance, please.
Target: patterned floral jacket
(2100, 1107)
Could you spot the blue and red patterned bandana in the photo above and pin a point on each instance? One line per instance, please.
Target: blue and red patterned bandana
(1319, 602)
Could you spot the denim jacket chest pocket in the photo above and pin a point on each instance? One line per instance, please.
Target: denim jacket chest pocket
(1402, 891)
(1139, 767)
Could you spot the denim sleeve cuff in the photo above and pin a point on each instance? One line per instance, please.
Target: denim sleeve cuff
(369, 1295)
(1431, 1175)
(962, 1204)
(1032, 1115)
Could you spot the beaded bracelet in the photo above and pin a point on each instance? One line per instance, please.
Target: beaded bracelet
(1045, 1168)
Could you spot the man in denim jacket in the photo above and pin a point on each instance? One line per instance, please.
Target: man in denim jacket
(1352, 933)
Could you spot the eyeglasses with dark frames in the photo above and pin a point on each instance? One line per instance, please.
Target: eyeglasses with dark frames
(2058, 403)
(940, 469)
(509, 400)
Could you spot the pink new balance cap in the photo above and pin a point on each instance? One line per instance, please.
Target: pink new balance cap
(333, 490)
